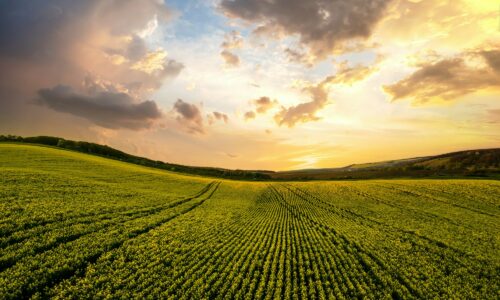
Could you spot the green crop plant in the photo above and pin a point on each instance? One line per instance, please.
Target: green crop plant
(77, 226)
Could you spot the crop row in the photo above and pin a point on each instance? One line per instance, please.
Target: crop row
(31, 273)
(366, 240)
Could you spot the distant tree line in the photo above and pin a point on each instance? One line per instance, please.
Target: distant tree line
(483, 163)
(108, 152)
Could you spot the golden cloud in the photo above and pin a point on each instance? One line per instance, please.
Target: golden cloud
(450, 78)
(232, 40)
(231, 59)
(249, 115)
(152, 62)
(445, 24)
(306, 112)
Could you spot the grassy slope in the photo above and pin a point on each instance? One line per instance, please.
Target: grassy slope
(75, 225)
(108, 152)
(66, 171)
(481, 163)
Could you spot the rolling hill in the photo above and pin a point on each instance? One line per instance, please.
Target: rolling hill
(470, 163)
(79, 226)
(108, 152)
(480, 163)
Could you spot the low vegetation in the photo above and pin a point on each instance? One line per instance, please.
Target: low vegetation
(76, 226)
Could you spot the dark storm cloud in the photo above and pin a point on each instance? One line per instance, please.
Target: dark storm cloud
(58, 42)
(190, 116)
(27, 28)
(322, 25)
(449, 78)
(42, 29)
(107, 109)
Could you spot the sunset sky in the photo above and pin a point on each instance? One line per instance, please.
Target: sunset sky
(254, 84)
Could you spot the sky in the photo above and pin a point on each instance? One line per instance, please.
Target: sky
(254, 84)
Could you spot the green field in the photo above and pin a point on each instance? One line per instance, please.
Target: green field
(79, 226)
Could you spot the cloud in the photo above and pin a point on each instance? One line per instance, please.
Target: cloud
(249, 115)
(107, 109)
(190, 116)
(48, 29)
(151, 62)
(217, 116)
(45, 44)
(449, 78)
(492, 58)
(232, 40)
(231, 60)
(322, 26)
(171, 68)
(263, 104)
(349, 75)
(298, 56)
(306, 112)
(147, 82)
(155, 63)
(436, 24)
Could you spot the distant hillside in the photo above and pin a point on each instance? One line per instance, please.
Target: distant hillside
(470, 163)
(463, 164)
(105, 151)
